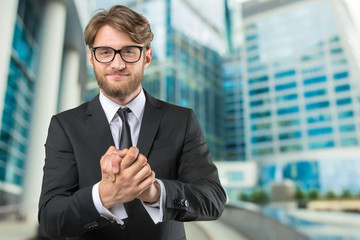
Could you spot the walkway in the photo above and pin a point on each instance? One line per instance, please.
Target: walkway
(214, 230)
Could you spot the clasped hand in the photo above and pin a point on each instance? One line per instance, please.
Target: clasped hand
(126, 175)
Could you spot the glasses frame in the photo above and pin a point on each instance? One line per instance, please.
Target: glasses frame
(119, 52)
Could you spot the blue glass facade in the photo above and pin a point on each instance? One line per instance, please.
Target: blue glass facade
(300, 88)
(302, 74)
(234, 140)
(184, 70)
(19, 92)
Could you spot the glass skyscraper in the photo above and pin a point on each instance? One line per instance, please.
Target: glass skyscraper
(186, 65)
(301, 88)
(233, 131)
(43, 71)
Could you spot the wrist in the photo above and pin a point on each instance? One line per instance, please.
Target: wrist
(157, 192)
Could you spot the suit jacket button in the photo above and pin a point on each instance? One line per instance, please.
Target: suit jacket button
(123, 226)
(184, 202)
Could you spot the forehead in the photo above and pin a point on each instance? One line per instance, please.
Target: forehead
(111, 37)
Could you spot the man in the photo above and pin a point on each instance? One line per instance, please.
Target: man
(93, 190)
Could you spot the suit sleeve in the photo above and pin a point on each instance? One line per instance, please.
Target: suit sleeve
(64, 209)
(196, 194)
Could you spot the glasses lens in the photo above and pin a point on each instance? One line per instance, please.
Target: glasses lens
(130, 54)
(104, 54)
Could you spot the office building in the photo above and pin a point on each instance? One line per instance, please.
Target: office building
(301, 90)
(186, 65)
(233, 128)
(43, 71)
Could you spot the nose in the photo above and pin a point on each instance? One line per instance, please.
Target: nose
(118, 63)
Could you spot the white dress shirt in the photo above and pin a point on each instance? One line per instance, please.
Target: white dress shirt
(137, 106)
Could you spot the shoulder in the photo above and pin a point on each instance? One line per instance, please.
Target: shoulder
(166, 107)
(80, 112)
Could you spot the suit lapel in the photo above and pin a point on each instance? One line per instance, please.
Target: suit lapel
(98, 126)
(150, 124)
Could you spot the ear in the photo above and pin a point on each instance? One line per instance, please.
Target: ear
(148, 57)
(90, 58)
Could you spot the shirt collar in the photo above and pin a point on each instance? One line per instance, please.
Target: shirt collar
(137, 106)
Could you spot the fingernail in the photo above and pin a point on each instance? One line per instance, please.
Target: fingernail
(114, 170)
(111, 178)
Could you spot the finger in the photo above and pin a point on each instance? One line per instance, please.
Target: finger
(115, 163)
(138, 164)
(144, 173)
(130, 157)
(110, 150)
(107, 165)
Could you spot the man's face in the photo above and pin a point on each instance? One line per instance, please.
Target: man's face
(118, 79)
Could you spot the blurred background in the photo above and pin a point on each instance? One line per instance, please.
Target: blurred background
(275, 85)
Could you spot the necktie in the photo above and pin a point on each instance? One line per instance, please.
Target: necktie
(125, 140)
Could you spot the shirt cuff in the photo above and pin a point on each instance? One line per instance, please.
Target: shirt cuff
(156, 210)
(116, 213)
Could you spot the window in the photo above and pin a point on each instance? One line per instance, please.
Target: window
(341, 75)
(334, 39)
(342, 88)
(257, 68)
(291, 148)
(347, 142)
(285, 86)
(320, 131)
(251, 37)
(317, 105)
(347, 128)
(261, 139)
(260, 114)
(285, 74)
(319, 118)
(336, 51)
(290, 110)
(258, 91)
(312, 69)
(290, 135)
(343, 101)
(252, 48)
(323, 144)
(253, 58)
(262, 151)
(261, 126)
(313, 56)
(315, 80)
(258, 79)
(260, 102)
(314, 93)
(290, 122)
(346, 114)
(286, 98)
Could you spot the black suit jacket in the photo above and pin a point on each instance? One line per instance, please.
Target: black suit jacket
(170, 137)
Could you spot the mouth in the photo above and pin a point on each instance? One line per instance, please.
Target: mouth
(117, 75)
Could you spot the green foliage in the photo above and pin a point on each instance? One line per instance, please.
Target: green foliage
(330, 195)
(259, 196)
(346, 194)
(244, 197)
(299, 194)
(313, 194)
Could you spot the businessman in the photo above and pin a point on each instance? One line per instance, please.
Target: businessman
(125, 165)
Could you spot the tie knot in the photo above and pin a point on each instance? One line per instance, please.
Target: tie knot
(122, 112)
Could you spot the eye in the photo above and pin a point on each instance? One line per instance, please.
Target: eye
(104, 51)
(129, 51)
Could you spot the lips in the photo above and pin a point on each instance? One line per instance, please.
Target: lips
(118, 75)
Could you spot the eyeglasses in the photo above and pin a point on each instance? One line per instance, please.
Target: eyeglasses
(129, 54)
